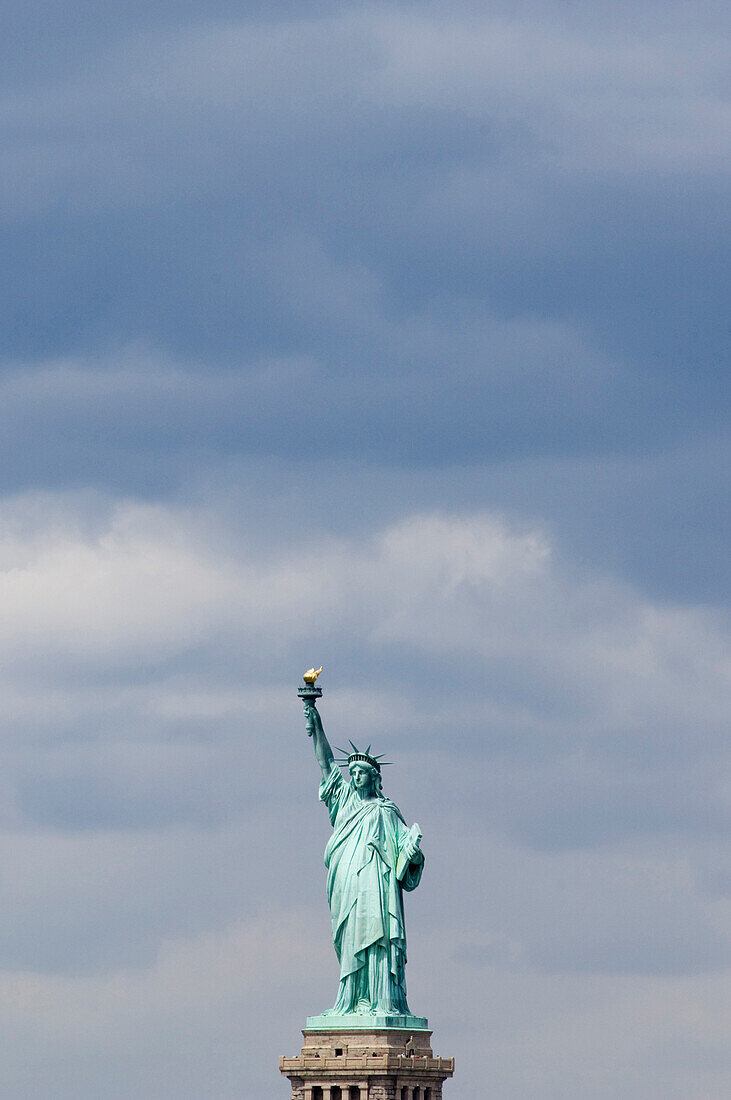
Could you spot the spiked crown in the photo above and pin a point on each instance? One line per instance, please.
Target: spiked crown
(358, 756)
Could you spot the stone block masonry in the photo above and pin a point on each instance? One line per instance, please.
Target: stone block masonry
(377, 1064)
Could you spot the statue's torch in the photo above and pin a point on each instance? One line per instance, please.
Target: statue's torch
(309, 691)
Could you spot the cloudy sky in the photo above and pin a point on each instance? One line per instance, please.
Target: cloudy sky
(392, 337)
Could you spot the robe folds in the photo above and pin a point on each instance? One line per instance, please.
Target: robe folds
(363, 891)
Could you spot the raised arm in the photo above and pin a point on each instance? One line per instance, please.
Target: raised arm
(323, 752)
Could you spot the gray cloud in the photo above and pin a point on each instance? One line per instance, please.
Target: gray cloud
(595, 100)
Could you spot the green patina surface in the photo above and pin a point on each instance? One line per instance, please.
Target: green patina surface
(372, 858)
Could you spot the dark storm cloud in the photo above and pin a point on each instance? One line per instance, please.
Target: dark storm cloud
(154, 182)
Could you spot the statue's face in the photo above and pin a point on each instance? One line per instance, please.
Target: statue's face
(364, 779)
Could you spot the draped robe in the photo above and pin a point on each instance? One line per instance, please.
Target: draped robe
(366, 897)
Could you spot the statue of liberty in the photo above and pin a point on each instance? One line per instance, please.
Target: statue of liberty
(371, 858)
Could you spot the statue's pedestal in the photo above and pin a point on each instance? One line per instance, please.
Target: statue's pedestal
(366, 1063)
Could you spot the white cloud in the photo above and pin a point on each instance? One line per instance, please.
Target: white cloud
(152, 581)
(149, 583)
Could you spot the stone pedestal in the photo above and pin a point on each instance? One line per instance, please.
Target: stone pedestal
(378, 1063)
